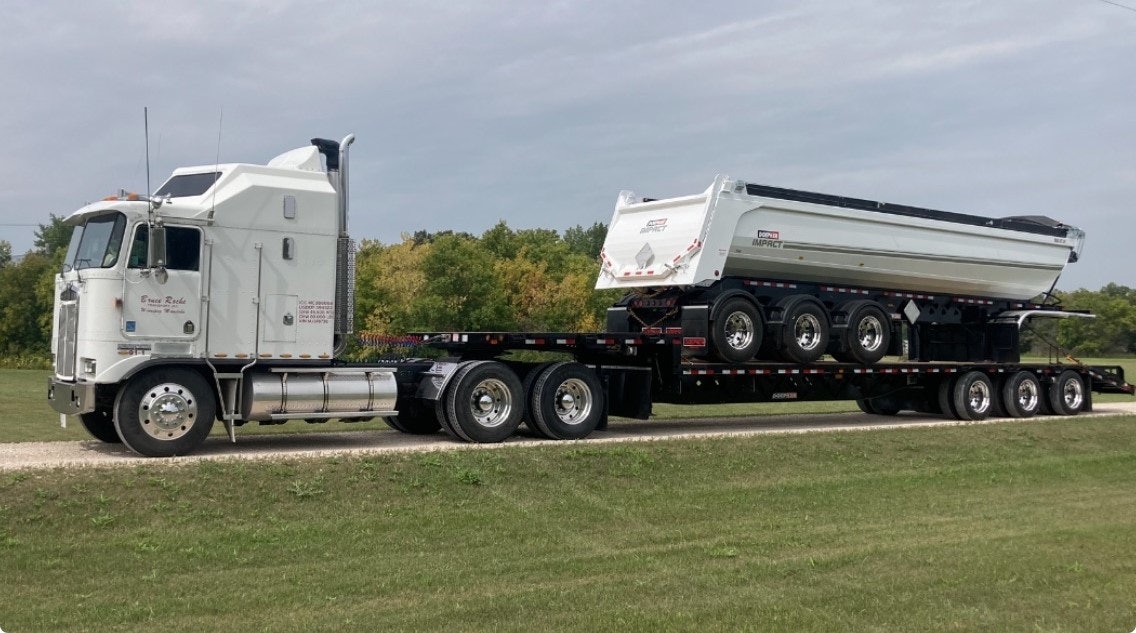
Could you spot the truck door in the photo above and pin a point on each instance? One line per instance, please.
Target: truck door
(167, 309)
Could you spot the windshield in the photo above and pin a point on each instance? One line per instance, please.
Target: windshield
(96, 244)
(188, 185)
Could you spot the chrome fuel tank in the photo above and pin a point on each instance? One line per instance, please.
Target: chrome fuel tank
(319, 394)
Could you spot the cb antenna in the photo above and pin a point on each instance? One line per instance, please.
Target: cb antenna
(216, 164)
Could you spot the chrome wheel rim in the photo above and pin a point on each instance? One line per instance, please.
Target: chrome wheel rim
(168, 411)
(739, 330)
(573, 401)
(1072, 392)
(870, 333)
(1028, 395)
(490, 403)
(978, 397)
(807, 330)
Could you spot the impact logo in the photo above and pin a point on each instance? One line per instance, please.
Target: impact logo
(655, 226)
(768, 239)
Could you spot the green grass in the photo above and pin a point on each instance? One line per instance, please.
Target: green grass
(1006, 527)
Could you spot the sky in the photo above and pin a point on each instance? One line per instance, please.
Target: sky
(539, 113)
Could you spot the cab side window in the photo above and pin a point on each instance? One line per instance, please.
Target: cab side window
(183, 248)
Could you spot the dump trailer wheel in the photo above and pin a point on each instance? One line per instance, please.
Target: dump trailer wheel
(414, 419)
(484, 402)
(804, 335)
(973, 396)
(867, 337)
(1022, 395)
(567, 401)
(165, 412)
(737, 331)
(100, 424)
(529, 381)
(1067, 393)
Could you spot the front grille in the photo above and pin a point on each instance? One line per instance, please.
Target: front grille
(67, 339)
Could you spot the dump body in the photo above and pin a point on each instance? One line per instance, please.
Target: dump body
(735, 229)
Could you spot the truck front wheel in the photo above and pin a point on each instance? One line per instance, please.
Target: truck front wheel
(165, 412)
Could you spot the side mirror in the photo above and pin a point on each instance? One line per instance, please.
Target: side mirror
(156, 253)
(156, 247)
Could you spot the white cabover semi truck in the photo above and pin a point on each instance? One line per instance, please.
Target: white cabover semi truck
(227, 296)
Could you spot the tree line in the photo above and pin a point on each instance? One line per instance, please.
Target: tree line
(505, 279)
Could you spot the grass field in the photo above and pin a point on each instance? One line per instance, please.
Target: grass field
(25, 415)
(1006, 527)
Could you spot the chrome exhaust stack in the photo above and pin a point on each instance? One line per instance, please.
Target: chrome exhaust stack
(336, 156)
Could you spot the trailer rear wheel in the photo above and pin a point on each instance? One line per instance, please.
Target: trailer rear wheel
(878, 406)
(973, 396)
(567, 401)
(529, 381)
(946, 397)
(484, 402)
(867, 337)
(737, 331)
(100, 424)
(165, 412)
(1067, 393)
(804, 335)
(1022, 395)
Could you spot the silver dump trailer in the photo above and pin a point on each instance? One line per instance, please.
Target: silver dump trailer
(737, 229)
(791, 275)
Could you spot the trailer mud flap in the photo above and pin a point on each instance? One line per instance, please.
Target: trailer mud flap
(628, 391)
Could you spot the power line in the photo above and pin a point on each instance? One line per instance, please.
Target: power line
(1117, 4)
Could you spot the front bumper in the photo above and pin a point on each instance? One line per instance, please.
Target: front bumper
(70, 398)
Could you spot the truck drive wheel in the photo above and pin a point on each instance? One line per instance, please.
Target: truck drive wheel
(804, 335)
(567, 401)
(100, 424)
(484, 402)
(165, 412)
(1021, 395)
(972, 396)
(1067, 393)
(414, 419)
(736, 333)
(868, 336)
(529, 381)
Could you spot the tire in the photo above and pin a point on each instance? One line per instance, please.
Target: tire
(529, 381)
(946, 398)
(878, 406)
(100, 424)
(804, 335)
(867, 338)
(414, 419)
(567, 401)
(737, 331)
(973, 396)
(484, 402)
(1022, 395)
(440, 410)
(1067, 393)
(865, 405)
(165, 412)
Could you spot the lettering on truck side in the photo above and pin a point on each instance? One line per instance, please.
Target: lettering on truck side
(654, 226)
(768, 239)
